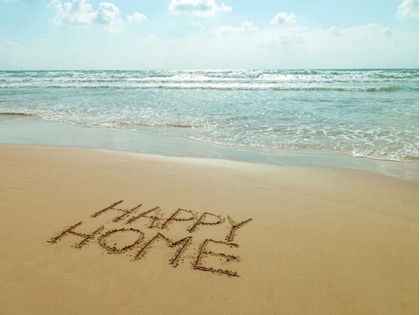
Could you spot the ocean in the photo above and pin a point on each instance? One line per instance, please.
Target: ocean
(363, 113)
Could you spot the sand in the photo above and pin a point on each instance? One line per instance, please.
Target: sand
(196, 236)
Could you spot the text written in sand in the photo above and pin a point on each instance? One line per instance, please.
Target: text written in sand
(118, 235)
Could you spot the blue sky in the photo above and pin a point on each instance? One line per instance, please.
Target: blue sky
(208, 34)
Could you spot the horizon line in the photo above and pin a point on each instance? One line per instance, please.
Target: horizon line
(214, 69)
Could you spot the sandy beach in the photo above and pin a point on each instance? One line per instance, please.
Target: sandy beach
(209, 157)
(88, 231)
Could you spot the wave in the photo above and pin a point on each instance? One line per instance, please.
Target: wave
(141, 124)
(17, 114)
(216, 74)
(405, 154)
(221, 87)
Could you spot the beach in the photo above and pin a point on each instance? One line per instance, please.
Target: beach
(209, 157)
(228, 237)
(209, 192)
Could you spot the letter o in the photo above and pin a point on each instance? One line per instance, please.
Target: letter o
(112, 249)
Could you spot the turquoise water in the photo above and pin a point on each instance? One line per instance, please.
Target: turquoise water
(369, 113)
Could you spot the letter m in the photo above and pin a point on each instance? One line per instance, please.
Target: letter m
(181, 244)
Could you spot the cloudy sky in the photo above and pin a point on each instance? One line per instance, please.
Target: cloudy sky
(208, 34)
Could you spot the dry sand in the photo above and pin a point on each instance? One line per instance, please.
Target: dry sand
(321, 241)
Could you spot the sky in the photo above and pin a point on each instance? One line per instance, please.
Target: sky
(208, 34)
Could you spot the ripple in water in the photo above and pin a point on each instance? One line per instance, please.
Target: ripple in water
(370, 113)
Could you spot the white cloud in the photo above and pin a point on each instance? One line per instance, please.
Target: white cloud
(80, 12)
(283, 18)
(271, 47)
(77, 12)
(288, 37)
(194, 24)
(108, 16)
(136, 18)
(225, 8)
(10, 43)
(367, 33)
(362, 33)
(387, 32)
(335, 31)
(408, 9)
(364, 46)
(150, 39)
(197, 7)
(231, 30)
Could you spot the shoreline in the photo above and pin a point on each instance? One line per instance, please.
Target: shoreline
(32, 130)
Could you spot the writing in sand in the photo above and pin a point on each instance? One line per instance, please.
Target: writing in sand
(113, 239)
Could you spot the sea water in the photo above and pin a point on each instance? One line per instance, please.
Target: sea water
(366, 113)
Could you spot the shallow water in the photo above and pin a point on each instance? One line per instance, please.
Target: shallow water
(368, 113)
